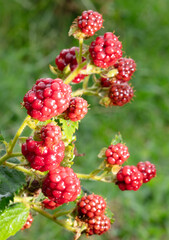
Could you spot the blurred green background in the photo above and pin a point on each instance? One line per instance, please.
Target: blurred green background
(32, 33)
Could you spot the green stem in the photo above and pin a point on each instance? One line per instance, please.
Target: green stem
(18, 133)
(7, 156)
(90, 177)
(80, 50)
(85, 82)
(53, 218)
(89, 91)
(61, 213)
(30, 172)
(73, 74)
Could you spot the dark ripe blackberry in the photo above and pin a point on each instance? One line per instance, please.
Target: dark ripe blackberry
(68, 56)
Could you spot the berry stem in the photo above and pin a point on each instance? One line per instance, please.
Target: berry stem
(53, 218)
(18, 133)
(73, 74)
(80, 50)
(62, 213)
(85, 82)
(30, 172)
(90, 177)
(7, 156)
(88, 91)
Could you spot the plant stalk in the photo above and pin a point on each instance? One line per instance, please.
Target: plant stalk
(73, 74)
(30, 172)
(53, 218)
(80, 50)
(90, 177)
(18, 133)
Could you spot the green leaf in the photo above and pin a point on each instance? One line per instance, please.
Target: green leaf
(1, 137)
(54, 70)
(12, 219)
(69, 156)
(11, 181)
(110, 215)
(69, 127)
(117, 139)
(102, 153)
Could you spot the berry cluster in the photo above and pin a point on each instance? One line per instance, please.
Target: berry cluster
(132, 177)
(91, 210)
(68, 57)
(61, 184)
(128, 177)
(52, 101)
(120, 92)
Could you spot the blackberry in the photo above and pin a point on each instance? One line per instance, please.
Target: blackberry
(91, 206)
(147, 169)
(129, 178)
(117, 154)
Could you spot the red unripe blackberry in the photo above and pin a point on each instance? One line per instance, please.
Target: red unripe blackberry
(129, 178)
(147, 169)
(120, 94)
(126, 67)
(91, 206)
(50, 134)
(98, 225)
(61, 185)
(41, 157)
(105, 50)
(77, 109)
(68, 56)
(107, 82)
(50, 204)
(47, 98)
(28, 222)
(90, 22)
(117, 154)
